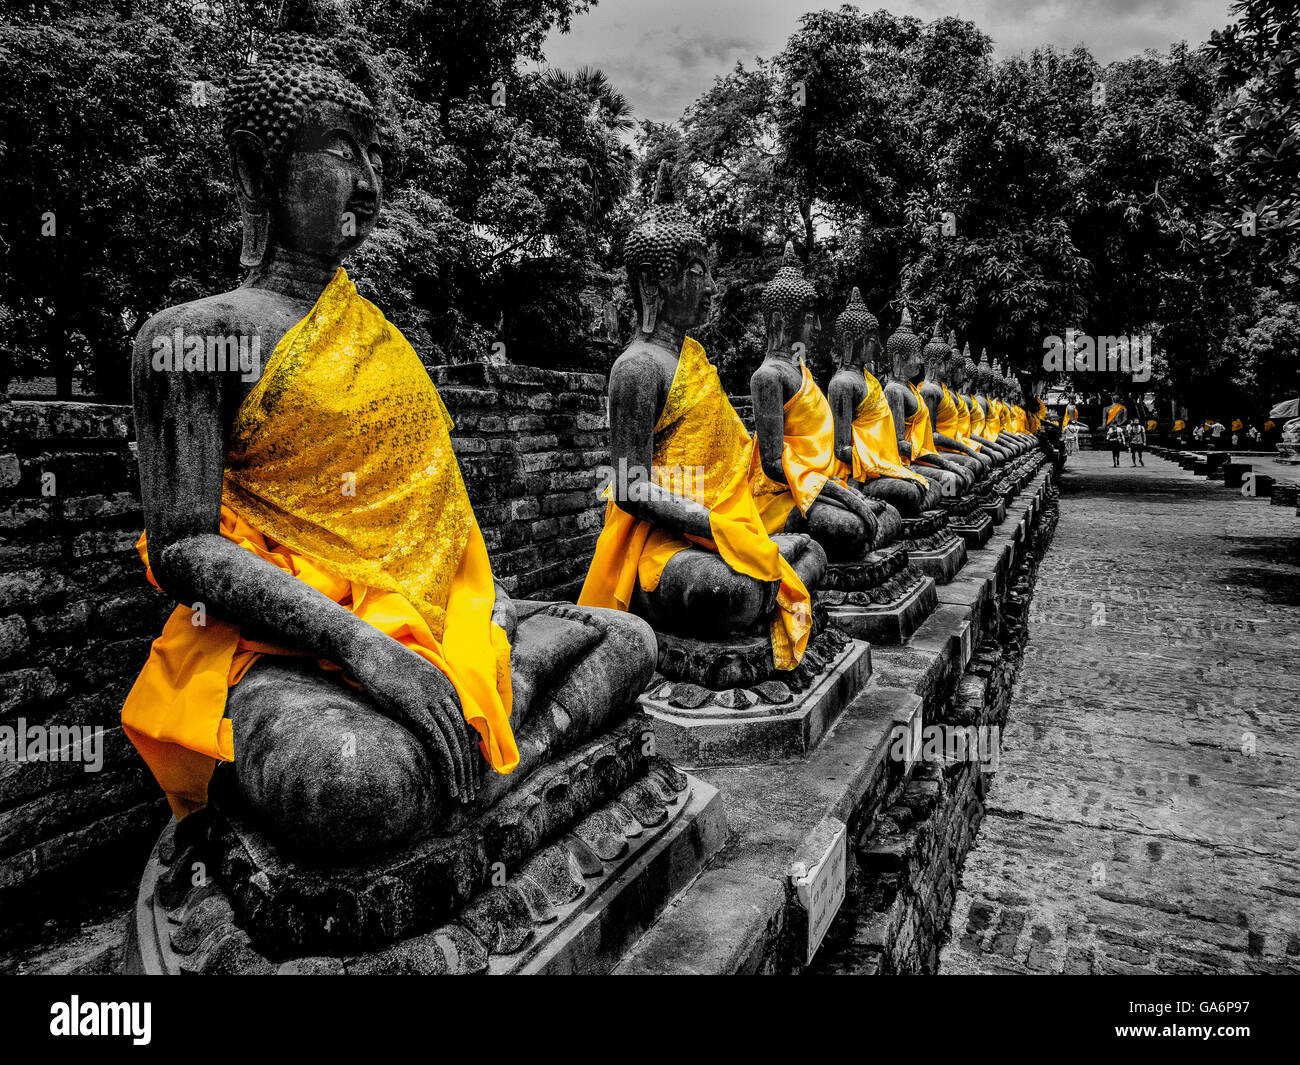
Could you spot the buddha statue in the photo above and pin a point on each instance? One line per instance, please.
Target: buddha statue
(866, 440)
(956, 377)
(1116, 413)
(912, 416)
(685, 546)
(945, 417)
(343, 669)
(795, 477)
(1010, 417)
(985, 422)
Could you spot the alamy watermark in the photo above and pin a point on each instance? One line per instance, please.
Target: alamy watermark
(21, 742)
(179, 351)
(947, 743)
(1117, 354)
(631, 482)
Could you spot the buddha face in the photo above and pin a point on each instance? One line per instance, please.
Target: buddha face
(686, 299)
(331, 186)
(797, 335)
(914, 363)
(859, 352)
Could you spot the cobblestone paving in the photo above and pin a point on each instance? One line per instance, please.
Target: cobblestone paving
(1146, 814)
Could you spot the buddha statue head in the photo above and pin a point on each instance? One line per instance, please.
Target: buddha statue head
(857, 336)
(789, 303)
(956, 364)
(667, 265)
(936, 354)
(307, 137)
(904, 349)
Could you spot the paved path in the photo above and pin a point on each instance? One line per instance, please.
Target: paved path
(1146, 816)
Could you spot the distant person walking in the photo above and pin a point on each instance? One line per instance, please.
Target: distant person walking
(1137, 442)
(1115, 438)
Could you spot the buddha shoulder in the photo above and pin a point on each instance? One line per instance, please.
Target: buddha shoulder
(643, 366)
(850, 382)
(240, 313)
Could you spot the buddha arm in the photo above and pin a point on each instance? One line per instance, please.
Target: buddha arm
(769, 421)
(898, 407)
(953, 444)
(636, 398)
(182, 420)
(844, 400)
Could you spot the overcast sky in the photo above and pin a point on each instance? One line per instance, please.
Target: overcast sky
(663, 53)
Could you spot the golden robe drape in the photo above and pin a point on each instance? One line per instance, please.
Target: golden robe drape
(875, 441)
(964, 423)
(702, 451)
(341, 473)
(1113, 412)
(916, 429)
(992, 422)
(807, 457)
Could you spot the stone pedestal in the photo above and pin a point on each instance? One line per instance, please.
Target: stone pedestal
(561, 875)
(932, 547)
(1288, 453)
(882, 599)
(1233, 472)
(746, 712)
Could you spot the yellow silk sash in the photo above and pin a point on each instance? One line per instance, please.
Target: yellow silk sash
(340, 472)
(1113, 412)
(947, 420)
(964, 423)
(807, 457)
(916, 429)
(992, 422)
(875, 441)
(701, 451)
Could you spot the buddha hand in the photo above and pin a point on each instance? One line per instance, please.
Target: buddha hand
(414, 692)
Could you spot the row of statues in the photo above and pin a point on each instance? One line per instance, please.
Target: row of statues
(343, 667)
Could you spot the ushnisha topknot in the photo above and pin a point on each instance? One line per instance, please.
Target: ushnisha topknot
(663, 235)
(903, 343)
(937, 350)
(270, 98)
(788, 291)
(855, 321)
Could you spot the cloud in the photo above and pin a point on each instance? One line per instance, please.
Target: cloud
(663, 55)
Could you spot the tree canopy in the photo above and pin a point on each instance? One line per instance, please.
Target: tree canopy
(1017, 198)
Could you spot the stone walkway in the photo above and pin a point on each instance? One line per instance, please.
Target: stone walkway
(1146, 815)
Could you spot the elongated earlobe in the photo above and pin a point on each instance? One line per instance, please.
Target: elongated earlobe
(248, 161)
(649, 303)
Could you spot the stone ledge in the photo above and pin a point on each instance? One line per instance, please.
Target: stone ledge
(740, 915)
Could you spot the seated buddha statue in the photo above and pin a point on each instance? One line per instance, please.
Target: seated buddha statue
(866, 441)
(1116, 413)
(955, 378)
(343, 668)
(945, 417)
(795, 477)
(685, 546)
(1021, 419)
(912, 416)
(985, 421)
(1011, 418)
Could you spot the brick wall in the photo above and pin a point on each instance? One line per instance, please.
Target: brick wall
(76, 616)
(530, 442)
(76, 620)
